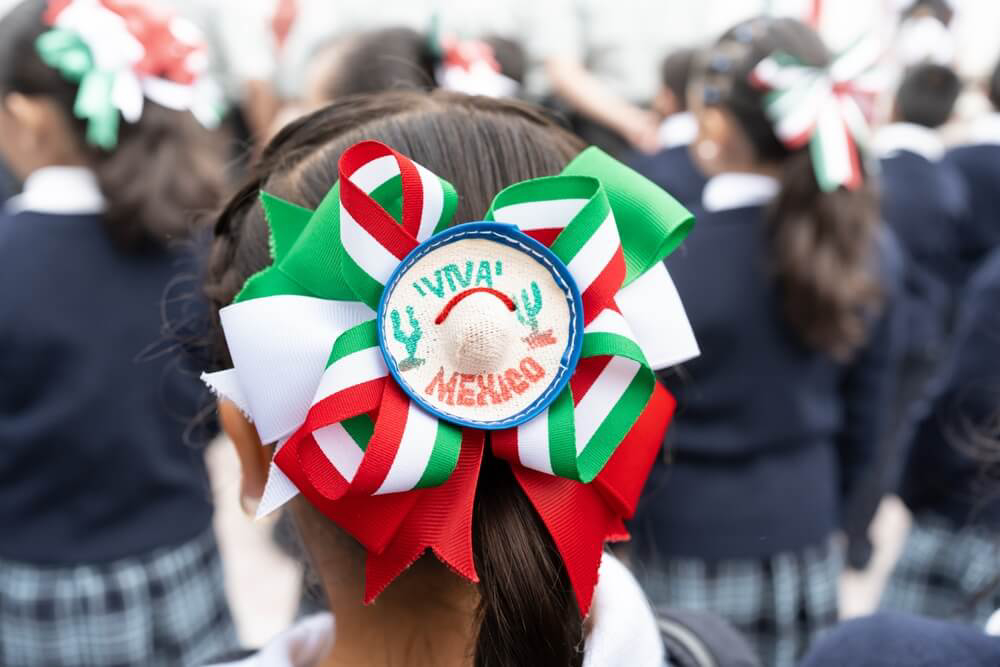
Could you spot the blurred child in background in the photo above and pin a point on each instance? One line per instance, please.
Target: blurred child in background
(791, 289)
(400, 58)
(679, 126)
(107, 555)
(948, 569)
(925, 202)
(369, 62)
(924, 199)
(979, 164)
(673, 168)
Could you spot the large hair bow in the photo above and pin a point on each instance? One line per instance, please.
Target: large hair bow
(819, 106)
(309, 338)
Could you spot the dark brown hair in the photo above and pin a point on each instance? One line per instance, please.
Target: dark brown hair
(380, 60)
(165, 167)
(528, 614)
(400, 59)
(822, 243)
(927, 95)
(675, 74)
(993, 87)
(942, 10)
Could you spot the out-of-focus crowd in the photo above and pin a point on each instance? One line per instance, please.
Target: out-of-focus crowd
(842, 281)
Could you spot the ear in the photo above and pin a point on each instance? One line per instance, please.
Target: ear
(714, 126)
(894, 115)
(665, 103)
(29, 113)
(255, 458)
(35, 133)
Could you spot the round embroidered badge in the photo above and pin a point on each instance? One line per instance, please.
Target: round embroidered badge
(481, 325)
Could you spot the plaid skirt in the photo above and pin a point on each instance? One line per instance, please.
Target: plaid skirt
(946, 572)
(168, 608)
(780, 604)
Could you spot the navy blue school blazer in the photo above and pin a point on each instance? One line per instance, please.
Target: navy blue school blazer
(674, 170)
(895, 640)
(941, 476)
(93, 404)
(926, 204)
(770, 437)
(979, 165)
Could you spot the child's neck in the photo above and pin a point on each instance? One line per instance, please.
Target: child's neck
(423, 619)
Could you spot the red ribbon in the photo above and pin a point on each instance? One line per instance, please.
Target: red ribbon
(465, 53)
(54, 9)
(396, 529)
(166, 56)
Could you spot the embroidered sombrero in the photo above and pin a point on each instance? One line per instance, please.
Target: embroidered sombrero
(384, 349)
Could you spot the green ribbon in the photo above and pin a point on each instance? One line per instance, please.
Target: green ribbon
(65, 51)
(308, 255)
(651, 223)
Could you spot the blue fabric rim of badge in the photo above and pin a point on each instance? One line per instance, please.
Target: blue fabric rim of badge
(511, 236)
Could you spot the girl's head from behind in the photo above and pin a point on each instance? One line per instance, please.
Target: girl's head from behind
(732, 109)
(154, 172)
(395, 59)
(527, 613)
(370, 62)
(821, 233)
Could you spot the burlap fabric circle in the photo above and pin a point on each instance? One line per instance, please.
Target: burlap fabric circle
(481, 325)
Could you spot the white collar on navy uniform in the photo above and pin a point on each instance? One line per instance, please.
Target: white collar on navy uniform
(911, 137)
(733, 189)
(986, 130)
(624, 634)
(59, 190)
(678, 129)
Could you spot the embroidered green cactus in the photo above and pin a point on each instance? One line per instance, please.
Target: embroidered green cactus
(527, 314)
(410, 341)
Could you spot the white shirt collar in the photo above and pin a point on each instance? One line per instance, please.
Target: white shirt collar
(624, 633)
(911, 137)
(59, 190)
(730, 190)
(986, 130)
(993, 624)
(678, 129)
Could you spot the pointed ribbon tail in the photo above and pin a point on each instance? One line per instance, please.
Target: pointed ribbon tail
(612, 498)
(439, 520)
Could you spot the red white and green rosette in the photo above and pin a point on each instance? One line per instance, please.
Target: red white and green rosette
(819, 107)
(384, 349)
(121, 52)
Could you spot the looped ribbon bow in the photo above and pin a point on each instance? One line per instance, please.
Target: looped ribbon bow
(103, 87)
(820, 106)
(309, 371)
(119, 51)
(471, 67)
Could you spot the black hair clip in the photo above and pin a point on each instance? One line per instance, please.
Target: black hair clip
(719, 63)
(744, 33)
(711, 95)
